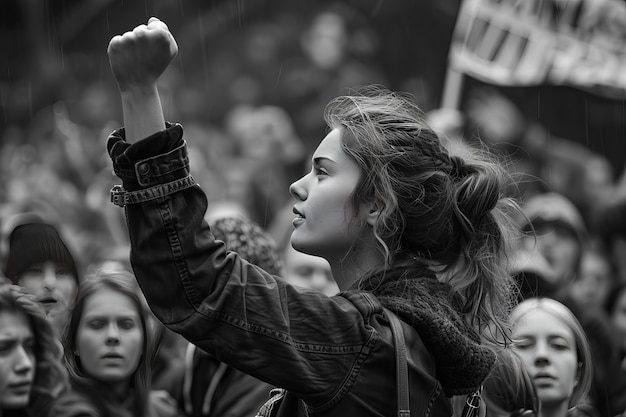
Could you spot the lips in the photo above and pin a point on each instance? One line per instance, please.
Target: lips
(20, 386)
(299, 219)
(544, 378)
(297, 212)
(48, 300)
(112, 355)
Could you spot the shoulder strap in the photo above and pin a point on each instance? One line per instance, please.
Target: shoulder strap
(402, 372)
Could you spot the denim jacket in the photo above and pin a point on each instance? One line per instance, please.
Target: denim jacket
(334, 356)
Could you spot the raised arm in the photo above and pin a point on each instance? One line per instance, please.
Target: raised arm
(138, 58)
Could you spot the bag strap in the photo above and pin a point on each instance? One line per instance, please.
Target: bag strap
(402, 372)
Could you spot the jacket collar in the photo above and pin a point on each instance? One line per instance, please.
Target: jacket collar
(432, 308)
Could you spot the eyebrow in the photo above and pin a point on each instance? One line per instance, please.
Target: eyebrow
(12, 338)
(320, 159)
(108, 316)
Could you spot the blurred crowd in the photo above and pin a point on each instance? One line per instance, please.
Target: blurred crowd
(274, 86)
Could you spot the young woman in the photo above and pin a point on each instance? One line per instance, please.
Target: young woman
(403, 225)
(556, 353)
(31, 375)
(41, 263)
(109, 345)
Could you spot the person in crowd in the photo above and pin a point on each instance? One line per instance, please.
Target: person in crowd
(556, 353)
(108, 350)
(205, 386)
(309, 271)
(32, 377)
(403, 224)
(554, 234)
(509, 390)
(596, 276)
(39, 261)
(555, 238)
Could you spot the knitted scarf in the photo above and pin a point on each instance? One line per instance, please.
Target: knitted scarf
(432, 309)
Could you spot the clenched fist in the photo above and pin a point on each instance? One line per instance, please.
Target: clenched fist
(140, 56)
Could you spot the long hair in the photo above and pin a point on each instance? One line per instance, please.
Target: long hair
(449, 212)
(123, 282)
(583, 351)
(509, 389)
(50, 376)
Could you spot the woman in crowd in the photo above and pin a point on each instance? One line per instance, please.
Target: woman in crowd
(109, 345)
(41, 263)
(32, 377)
(403, 224)
(555, 351)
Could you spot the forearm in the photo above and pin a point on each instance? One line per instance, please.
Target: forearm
(143, 114)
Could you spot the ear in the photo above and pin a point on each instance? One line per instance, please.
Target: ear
(372, 213)
(579, 372)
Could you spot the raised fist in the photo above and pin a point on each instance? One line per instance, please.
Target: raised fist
(140, 56)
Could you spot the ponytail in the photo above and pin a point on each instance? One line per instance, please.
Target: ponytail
(483, 216)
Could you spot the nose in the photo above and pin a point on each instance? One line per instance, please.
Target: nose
(298, 190)
(49, 279)
(542, 354)
(23, 361)
(113, 336)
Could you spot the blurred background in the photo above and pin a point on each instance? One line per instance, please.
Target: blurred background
(252, 78)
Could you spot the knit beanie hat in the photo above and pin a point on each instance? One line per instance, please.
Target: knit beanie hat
(250, 241)
(33, 243)
(556, 209)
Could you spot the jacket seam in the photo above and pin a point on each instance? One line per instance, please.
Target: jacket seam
(351, 376)
(177, 252)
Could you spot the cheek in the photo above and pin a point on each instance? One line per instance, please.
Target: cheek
(5, 370)
(67, 288)
(134, 342)
(86, 343)
(568, 366)
(134, 352)
(31, 285)
(528, 358)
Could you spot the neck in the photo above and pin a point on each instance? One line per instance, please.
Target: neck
(348, 269)
(553, 409)
(119, 389)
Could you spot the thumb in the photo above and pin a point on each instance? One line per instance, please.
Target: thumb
(155, 22)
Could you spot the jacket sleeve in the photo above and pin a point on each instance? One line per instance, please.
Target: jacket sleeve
(237, 312)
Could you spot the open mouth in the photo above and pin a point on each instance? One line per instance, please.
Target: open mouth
(48, 301)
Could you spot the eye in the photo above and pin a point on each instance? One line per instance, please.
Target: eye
(34, 270)
(560, 345)
(63, 272)
(127, 324)
(5, 347)
(320, 171)
(96, 324)
(524, 343)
